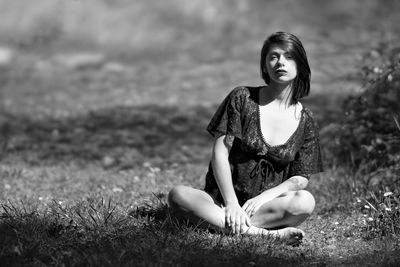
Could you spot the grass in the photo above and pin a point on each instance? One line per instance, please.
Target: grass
(89, 153)
(65, 204)
(102, 229)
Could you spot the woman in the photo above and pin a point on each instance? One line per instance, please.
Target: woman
(266, 147)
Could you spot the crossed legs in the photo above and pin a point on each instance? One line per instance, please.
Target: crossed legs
(284, 212)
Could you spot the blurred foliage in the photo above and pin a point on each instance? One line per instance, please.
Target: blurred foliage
(368, 139)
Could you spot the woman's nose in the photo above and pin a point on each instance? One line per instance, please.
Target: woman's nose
(281, 60)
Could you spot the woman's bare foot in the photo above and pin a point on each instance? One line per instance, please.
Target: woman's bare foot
(290, 235)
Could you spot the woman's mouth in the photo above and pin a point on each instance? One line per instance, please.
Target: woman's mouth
(280, 71)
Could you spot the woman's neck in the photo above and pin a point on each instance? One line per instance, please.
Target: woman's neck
(278, 93)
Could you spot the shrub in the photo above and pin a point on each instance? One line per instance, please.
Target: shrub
(368, 139)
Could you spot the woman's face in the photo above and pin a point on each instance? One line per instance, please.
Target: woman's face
(281, 66)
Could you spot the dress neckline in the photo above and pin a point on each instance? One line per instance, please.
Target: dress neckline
(290, 137)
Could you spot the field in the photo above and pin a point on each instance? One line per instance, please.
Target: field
(104, 106)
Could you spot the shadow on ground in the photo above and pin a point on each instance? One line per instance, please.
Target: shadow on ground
(129, 240)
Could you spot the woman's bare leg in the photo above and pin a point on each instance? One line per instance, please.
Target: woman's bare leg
(289, 209)
(285, 212)
(199, 208)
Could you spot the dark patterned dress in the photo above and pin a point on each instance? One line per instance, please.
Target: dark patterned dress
(255, 165)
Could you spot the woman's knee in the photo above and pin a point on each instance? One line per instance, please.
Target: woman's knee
(177, 197)
(303, 202)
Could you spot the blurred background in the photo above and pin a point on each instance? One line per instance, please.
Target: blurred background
(175, 51)
(99, 79)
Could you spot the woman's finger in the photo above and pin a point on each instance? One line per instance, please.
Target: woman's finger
(233, 227)
(232, 221)
(250, 212)
(248, 222)
(237, 226)
(246, 206)
(243, 223)
(240, 223)
(227, 219)
(247, 209)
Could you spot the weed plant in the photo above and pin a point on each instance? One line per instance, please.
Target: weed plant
(382, 214)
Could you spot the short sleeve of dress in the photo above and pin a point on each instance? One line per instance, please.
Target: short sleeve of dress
(227, 118)
(308, 159)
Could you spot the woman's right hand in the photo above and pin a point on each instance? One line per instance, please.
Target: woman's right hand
(236, 218)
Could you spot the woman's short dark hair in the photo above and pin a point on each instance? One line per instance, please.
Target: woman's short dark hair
(301, 84)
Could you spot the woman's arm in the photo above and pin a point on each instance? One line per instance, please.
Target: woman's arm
(221, 168)
(235, 216)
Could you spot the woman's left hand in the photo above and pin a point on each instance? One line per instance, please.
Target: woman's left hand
(253, 204)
